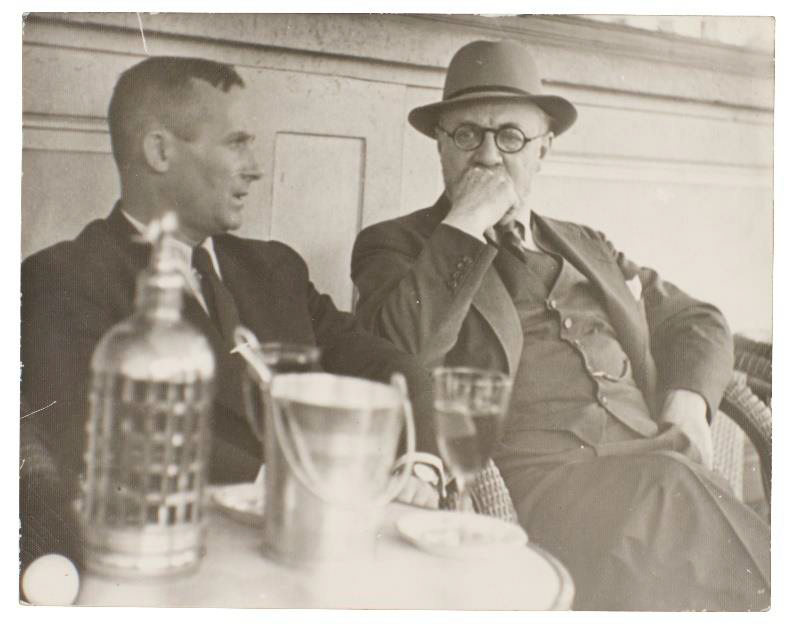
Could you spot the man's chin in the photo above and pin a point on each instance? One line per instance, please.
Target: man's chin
(233, 219)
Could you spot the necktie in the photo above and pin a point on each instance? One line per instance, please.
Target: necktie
(225, 316)
(219, 301)
(510, 236)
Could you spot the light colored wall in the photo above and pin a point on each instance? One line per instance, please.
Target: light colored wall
(751, 32)
(671, 155)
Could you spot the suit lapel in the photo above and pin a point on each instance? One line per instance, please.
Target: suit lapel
(494, 303)
(588, 258)
(195, 314)
(227, 375)
(270, 298)
(137, 256)
(135, 253)
(492, 300)
(255, 309)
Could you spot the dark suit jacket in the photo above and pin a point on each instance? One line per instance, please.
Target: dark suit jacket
(433, 291)
(73, 292)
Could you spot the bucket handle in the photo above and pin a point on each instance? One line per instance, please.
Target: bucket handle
(302, 466)
(246, 341)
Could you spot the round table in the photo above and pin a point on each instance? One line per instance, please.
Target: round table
(235, 573)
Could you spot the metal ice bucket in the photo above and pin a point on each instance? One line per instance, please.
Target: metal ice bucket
(330, 444)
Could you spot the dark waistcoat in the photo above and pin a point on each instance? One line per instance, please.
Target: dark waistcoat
(574, 383)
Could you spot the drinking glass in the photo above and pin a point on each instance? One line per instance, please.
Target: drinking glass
(470, 407)
(264, 361)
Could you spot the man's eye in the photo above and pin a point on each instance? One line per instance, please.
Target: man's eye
(511, 133)
(466, 137)
(511, 137)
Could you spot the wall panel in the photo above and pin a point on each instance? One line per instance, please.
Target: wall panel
(672, 154)
(422, 182)
(318, 180)
(63, 190)
(714, 242)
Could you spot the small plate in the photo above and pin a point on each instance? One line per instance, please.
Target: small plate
(242, 501)
(460, 534)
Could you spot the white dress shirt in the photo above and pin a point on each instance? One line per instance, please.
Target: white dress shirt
(185, 251)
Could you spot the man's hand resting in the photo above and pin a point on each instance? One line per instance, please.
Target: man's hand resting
(688, 411)
(420, 493)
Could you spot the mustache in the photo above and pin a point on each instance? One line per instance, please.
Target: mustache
(498, 169)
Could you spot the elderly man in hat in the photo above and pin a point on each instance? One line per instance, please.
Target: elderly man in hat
(606, 451)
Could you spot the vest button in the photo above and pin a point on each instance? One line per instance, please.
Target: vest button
(567, 323)
(552, 304)
(602, 399)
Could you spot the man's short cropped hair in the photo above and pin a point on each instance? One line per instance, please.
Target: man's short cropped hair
(160, 87)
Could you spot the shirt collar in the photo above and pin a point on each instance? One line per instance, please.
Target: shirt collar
(527, 235)
(182, 248)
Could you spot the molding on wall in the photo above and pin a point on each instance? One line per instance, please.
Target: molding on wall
(65, 133)
(73, 134)
(580, 33)
(654, 102)
(60, 34)
(658, 172)
(571, 50)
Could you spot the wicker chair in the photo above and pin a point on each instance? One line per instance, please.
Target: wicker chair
(744, 410)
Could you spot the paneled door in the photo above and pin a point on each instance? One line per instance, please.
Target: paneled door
(331, 150)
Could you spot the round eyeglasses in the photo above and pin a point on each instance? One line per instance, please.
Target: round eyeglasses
(508, 139)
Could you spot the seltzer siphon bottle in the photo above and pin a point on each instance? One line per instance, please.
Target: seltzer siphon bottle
(148, 430)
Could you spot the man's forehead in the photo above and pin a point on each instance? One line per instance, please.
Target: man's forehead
(212, 102)
(495, 112)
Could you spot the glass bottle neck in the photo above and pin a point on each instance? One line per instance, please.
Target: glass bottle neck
(159, 296)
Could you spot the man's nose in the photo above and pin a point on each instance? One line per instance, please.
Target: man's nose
(487, 154)
(251, 171)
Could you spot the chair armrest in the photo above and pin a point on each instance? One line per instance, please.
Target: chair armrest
(761, 348)
(755, 359)
(490, 495)
(755, 418)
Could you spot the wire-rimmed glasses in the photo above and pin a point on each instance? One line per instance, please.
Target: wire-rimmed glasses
(508, 139)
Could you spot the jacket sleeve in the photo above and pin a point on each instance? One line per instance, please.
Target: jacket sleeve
(348, 349)
(416, 292)
(690, 340)
(64, 314)
(47, 520)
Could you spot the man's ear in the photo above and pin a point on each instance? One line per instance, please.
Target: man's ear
(158, 149)
(547, 143)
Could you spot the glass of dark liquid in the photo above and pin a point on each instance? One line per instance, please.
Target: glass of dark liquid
(470, 407)
(264, 361)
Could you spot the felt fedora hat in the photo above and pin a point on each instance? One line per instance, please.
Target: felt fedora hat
(493, 70)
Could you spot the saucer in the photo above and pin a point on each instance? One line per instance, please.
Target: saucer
(242, 501)
(460, 534)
